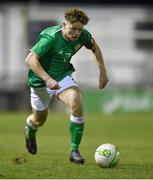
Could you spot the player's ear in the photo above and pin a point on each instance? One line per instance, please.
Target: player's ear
(64, 24)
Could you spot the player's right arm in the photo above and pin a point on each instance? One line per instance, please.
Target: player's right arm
(33, 62)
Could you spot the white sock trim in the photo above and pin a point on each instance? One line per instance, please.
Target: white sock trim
(77, 120)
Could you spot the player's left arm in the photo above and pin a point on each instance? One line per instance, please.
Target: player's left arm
(103, 78)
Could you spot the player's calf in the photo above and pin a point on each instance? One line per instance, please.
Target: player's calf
(30, 140)
(30, 137)
(76, 129)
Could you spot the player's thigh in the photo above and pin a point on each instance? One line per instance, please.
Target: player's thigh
(40, 99)
(72, 98)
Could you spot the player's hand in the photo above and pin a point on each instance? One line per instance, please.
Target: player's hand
(52, 84)
(103, 80)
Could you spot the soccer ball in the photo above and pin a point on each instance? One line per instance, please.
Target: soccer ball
(107, 155)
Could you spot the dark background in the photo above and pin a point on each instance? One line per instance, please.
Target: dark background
(106, 2)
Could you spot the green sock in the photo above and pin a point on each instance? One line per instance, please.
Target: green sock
(76, 131)
(30, 132)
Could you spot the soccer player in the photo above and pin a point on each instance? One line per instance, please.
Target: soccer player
(51, 74)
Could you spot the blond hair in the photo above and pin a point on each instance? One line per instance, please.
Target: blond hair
(75, 14)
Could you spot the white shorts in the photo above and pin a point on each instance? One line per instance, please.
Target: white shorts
(40, 97)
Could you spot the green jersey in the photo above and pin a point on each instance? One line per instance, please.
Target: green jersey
(55, 53)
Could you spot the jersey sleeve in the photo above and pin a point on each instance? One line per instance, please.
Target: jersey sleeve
(43, 44)
(89, 42)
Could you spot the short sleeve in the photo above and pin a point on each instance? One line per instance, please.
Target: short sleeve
(43, 44)
(89, 42)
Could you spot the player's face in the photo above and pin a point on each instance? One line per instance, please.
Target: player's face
(72, 31)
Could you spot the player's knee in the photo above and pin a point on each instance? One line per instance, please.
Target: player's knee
(39, 117)
(39, 121)
(77, 108)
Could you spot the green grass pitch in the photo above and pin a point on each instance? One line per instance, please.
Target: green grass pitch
(132, 133)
